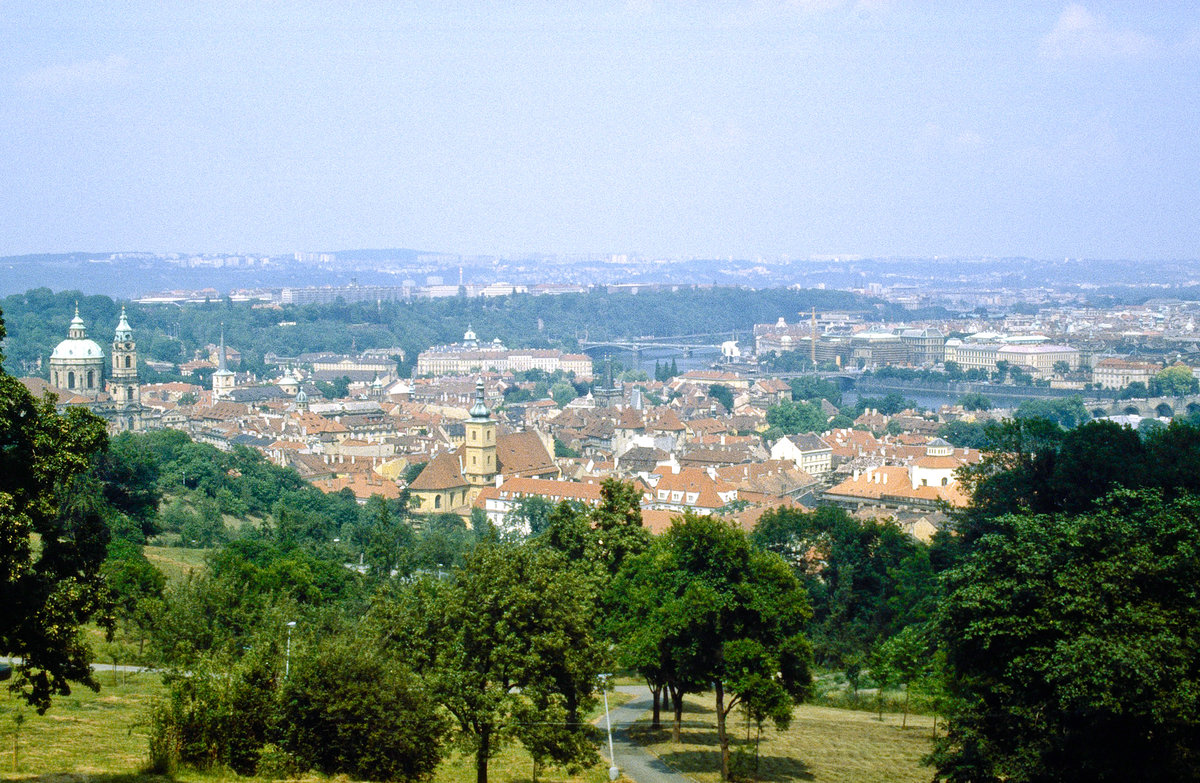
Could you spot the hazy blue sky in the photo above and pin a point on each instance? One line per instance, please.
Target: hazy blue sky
(668, 128)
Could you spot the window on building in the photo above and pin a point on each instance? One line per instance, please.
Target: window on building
(70, 380)
(127, 361)
(91, 379)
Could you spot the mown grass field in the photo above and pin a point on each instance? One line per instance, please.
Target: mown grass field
(100, 738)
(85, 733)
(822, 744)
(175, 562)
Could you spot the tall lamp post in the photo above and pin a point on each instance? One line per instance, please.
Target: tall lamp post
(613, 772)
(287, 660)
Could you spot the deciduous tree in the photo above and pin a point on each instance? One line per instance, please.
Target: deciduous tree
(507, 648)
(48, 589)
(733, 615)
(1072, 647)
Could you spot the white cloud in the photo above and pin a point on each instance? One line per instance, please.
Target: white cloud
(1080, 34)
(83, 74)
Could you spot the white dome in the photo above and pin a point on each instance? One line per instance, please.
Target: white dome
(77, 349)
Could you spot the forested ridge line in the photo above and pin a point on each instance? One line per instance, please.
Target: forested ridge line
(37, 320)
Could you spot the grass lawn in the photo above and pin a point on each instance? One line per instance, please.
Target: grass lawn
(96, 738)
(512, 765)
(823, 744)
(84, 733)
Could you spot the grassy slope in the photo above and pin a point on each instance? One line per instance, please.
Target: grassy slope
(175, 562)
(823, 744)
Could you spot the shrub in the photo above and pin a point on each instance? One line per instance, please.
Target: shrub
(348, 709)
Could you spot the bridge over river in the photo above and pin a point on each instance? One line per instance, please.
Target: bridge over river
(683, 344)
(1005, 395)
(1151, 407)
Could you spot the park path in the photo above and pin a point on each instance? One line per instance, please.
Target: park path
(635, 762)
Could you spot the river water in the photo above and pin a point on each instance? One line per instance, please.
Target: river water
(703, 358)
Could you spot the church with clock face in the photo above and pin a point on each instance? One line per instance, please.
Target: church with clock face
(82, 375)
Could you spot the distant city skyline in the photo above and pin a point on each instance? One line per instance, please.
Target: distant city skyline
(767, 128)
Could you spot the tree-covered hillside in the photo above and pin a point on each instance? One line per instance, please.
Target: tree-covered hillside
(38, 320)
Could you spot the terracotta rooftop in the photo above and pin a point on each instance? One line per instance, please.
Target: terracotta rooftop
(523, 453)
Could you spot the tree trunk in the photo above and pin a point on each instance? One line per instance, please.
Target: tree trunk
(722, 736)
(677, 706)
(656, 720)
(757, 742)
(481, 755)
(904, 720)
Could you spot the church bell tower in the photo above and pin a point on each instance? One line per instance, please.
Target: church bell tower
(123, 379)
(479, 467)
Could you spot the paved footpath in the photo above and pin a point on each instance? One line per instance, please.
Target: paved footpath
(636, 763)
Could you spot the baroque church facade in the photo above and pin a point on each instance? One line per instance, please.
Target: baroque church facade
(452, 480)
(81, 375)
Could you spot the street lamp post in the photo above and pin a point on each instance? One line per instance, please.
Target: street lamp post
(287, 660)
(613, 772)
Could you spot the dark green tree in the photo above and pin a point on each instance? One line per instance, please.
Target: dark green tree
(793, 417)
(1066, 412)
(901, 660)
(136, 587)
(390, 542)
(1174, 381)
(643, 626)
(617, 523)
(1072, 647)
(738, 618)
(974, 401)
(866, 579)
(722, 394)
(128, 473)
(219, 713)
(348, 708)
(507, 648)
(48, 589)
(964, 434)
(813, 388)
(531, 516)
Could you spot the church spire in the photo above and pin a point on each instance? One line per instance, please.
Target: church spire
(124, 331)
(222, 365)
(222, 380)
(479, 411)
(77, 331)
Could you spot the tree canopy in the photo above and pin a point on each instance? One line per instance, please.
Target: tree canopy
(507, 648)
(724, 613)
(53, 540)
(1072, 646)
(789, 417)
